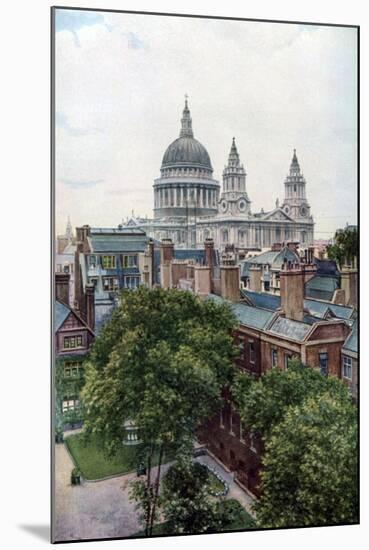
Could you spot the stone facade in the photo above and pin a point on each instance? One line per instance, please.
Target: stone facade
(188, 206)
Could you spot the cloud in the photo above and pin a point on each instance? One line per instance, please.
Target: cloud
(274, 86)
(134, 42)
(61, 121)
(81, 184)
(74, 20)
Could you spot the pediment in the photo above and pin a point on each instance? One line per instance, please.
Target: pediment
(277, 214)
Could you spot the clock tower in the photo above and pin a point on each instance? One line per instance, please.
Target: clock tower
(234, 199)
(295, 203)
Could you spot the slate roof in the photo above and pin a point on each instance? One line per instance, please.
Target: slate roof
(315, 308)
(351, 342)
(273, 258)
(118, 243)
(319, 309)
(321, 287)
(247, 315)
(263, 299)
(295, 330)
(326, 267)
(60, 314)
(196, 254)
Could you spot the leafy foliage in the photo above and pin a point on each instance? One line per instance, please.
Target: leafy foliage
(309, 427)
(345, 248)
(263, 403)
(160, 362)
(310, 466)
(187, 504)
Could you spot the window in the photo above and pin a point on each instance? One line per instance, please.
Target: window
(242, 439)
(132, 281)
(72, 368)
(287, 358)
(252, 352)
(130, 260)
(93, 281)
(225, 235)
(274, 358)
(70, 404)
(252, 442)
(221, 419)
(66, 269)
(231, 423)
(92, 261)
(347, 367)
(241, 346)
(323, 363)
(108, 262)
(266, 286)
(71, 342)
(110, 284)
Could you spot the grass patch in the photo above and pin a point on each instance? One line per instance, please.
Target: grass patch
(93, 462)
(216, 486)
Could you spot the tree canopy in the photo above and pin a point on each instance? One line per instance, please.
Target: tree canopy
(186, 502)
(346, 246)
(160, 362)
(308, 424)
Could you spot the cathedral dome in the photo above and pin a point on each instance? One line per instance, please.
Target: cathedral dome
(186, 151)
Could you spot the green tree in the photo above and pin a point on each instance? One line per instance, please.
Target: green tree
(264, 402)
(160, 362)
(309, 472)
(187, 504)
(308, 426)
(346, 247)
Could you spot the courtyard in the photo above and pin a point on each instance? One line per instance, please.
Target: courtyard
(101, 509)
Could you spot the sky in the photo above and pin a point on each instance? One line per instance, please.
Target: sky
(120, 81)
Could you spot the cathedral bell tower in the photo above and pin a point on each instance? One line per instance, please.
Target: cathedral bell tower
(295, 203)
(234, 199)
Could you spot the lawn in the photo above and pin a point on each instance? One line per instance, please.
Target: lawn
(93, 462)
(241, 520)
(216, 486)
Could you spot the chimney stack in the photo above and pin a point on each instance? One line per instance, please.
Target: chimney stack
(209, 260)
(166, 251)
(349, 285)
(292, 277)
(152, 262)
(202, 280)
(90, 305)
(255, 278)
(62, 287)
(230, 282)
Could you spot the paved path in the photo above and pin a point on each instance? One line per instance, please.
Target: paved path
(94, 509)
(102, 509)
(235, 490)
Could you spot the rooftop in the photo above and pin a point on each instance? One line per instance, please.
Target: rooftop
(351, 343)
(120, 242)
(295, 330)
(61, 313)
(247, 315)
